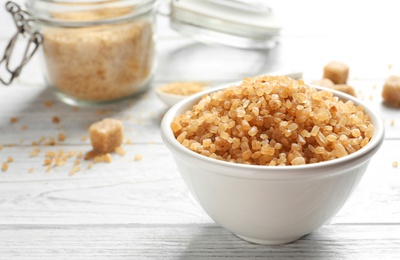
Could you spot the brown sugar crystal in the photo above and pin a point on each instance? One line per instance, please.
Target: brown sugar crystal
(323, 83)
(391, 91)
(345, 89)
(61, 137)
(183, 88)
(4, 166)
(273, 120)
(55, 120)
(13, 120)
(106, 135)
(138, 157)
(337, 72)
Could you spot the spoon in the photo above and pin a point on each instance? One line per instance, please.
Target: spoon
(172, 99)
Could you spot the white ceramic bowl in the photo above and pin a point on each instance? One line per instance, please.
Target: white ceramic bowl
(270, 204)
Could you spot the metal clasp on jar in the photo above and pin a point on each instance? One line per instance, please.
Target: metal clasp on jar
(22, 21)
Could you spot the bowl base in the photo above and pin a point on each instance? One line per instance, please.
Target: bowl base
(268, 242)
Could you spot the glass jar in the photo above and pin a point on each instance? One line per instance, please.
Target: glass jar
(245, 24)
(95, 51)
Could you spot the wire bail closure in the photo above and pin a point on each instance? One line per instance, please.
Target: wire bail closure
(22, 22)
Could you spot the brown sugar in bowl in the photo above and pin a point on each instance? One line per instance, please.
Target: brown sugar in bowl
(273, 121)
(268, 204)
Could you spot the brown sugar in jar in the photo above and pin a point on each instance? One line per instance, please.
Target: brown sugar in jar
(99, 52)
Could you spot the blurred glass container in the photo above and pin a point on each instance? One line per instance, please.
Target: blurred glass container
(248, 24)
(95, 51)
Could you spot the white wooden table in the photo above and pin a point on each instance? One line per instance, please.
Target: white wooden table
(132, 209)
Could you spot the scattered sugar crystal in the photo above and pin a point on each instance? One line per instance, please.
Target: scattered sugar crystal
(106, 135)
(337, 72)
(391, 91)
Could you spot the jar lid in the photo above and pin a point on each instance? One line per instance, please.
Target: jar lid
(248, 24)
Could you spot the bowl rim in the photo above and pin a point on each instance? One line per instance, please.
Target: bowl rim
(362, 154)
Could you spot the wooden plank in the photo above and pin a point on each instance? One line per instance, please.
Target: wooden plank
(124, 191)
(141, 116)
(191, 242)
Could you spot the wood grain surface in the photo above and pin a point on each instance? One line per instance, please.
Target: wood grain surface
(201, 241)
(141, 209)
